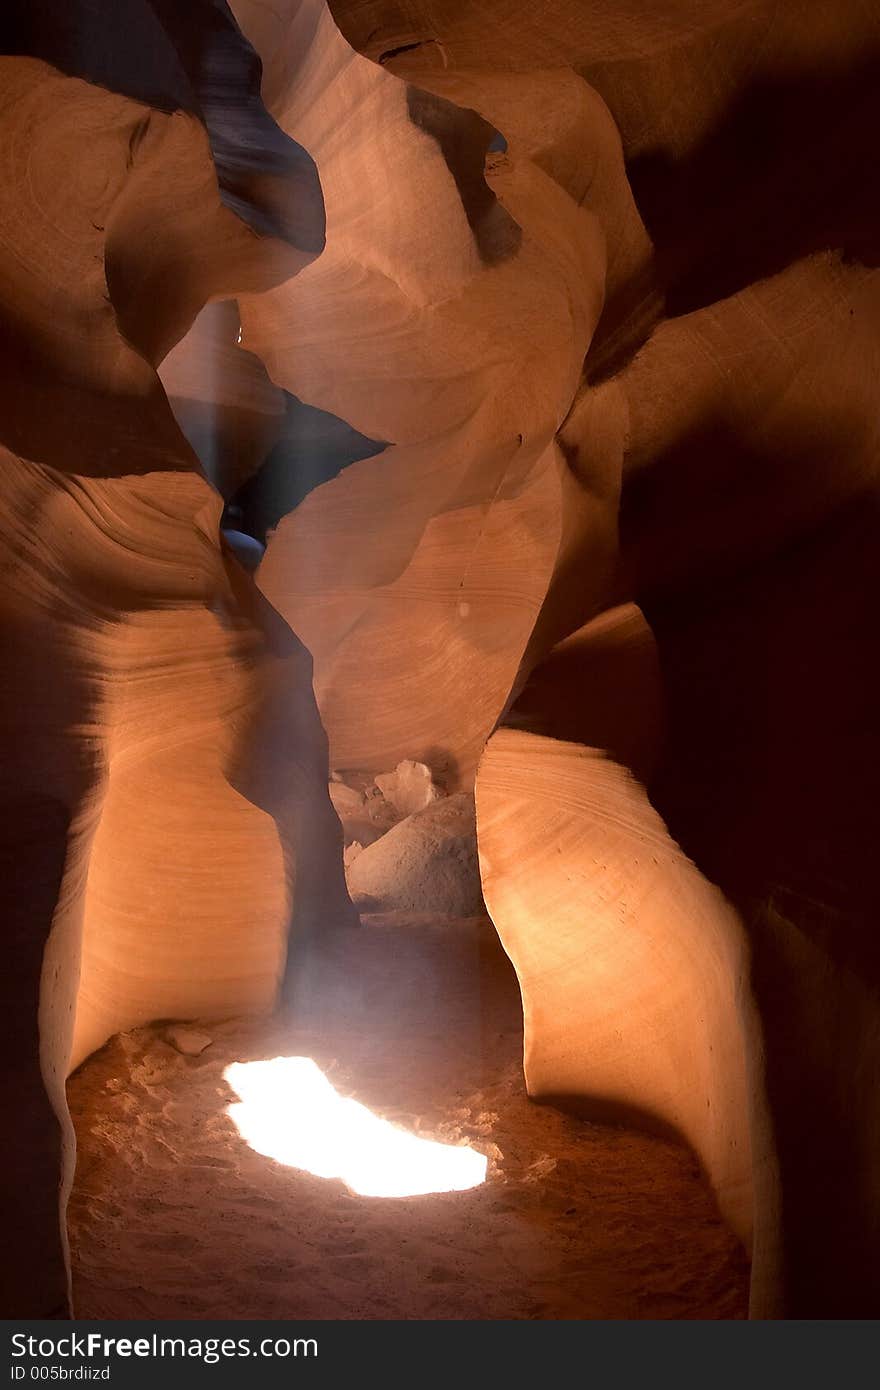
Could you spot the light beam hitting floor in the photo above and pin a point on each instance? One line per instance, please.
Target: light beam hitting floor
(290, 1112)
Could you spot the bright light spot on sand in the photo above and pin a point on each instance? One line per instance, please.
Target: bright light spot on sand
(238, 339)
(290, 1112)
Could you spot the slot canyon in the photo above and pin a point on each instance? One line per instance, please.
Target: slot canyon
(440, 534)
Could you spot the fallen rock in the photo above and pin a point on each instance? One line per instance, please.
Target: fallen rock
(189, 1041)
(426, 863)
(362, 809)
(409, 788)
(347, 801)
(351, 853)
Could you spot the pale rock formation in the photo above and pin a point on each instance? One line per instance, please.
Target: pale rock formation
(347, 801)
(350, 854)
(405, 872)
(409, 788)
(362, 810)
(426, 863)
(368, 807)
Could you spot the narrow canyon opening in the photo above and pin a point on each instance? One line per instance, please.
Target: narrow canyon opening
(438, 741)
(368, 1151)
(223, 1183)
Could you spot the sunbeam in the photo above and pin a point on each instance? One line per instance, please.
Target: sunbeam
(290, 1112)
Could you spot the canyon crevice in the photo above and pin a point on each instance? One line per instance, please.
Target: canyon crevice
(409, 407)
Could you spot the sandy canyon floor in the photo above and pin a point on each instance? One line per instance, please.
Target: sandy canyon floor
(174, 1215)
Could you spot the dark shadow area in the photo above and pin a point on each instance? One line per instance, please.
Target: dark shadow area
(190, 57)
(76, 430)
(121, 46)
(265, 177)
(33, 848)
(227, 408)
(281, 766)
(465, 139)
(628, 317)
(714, 504)
(758, 571)
(772, 767)
(600, 690)
(787, 171)
(770, 783)
(823, 1076)
(314, 447)
(444, 765)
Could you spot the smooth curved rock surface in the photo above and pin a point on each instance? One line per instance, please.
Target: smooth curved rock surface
(476, 361)
(731, 382)
(152, 855)
(590, 276)
(631, 965)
